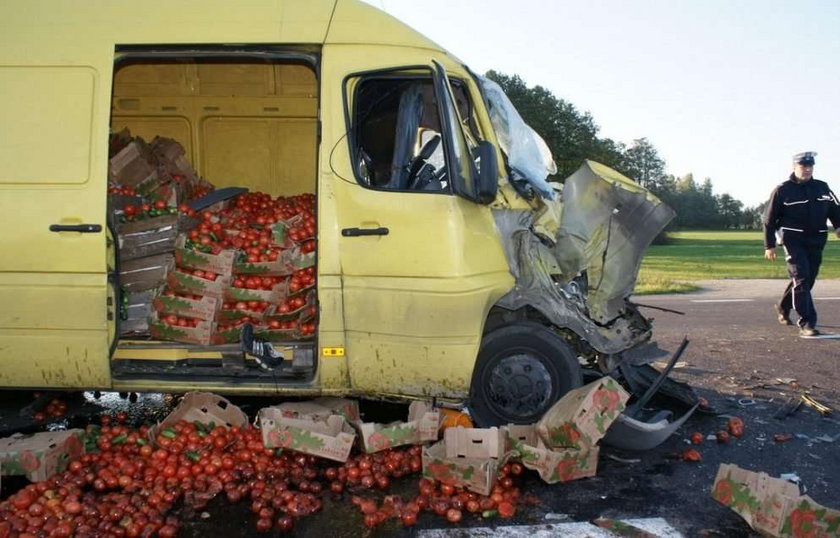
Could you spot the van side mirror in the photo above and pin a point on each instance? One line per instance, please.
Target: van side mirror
(488, 172)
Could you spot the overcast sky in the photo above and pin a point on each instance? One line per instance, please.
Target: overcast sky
(725, 89)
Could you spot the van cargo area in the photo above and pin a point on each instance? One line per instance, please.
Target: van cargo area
(186, 126)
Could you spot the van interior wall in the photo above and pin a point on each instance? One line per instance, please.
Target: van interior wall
(243, 124)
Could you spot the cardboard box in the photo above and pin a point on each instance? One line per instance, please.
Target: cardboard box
(138, 305)
(331, 438)
(773, 506)
(553, 466)
(272, 296)
(421, 426)
(297, 260)
(224, 315)
(279, 267)
(141, 238)
(133, 165)
(40, 455)
(226, 336)
(467, 457)
(204, 308)
(276, 335)
(146, 273)
(320, 408)
(182, 282)
(200, 334)
(581, 417)
(206, 408)
(221, 263)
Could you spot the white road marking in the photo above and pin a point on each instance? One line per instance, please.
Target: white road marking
(655, 525)
(827, 298)
(722, 300)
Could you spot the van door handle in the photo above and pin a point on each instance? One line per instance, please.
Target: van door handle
(357, 232)
(81, 228)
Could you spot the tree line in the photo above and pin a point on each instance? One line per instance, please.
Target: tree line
(572, 137)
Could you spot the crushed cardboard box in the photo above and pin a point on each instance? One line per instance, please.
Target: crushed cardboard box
(581, 417)
(40, 455)
(773, 506)
(330, 438)
(204, 407)
(561, 465)
(467, 457)
(422, 425)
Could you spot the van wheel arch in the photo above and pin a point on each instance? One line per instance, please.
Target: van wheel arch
(523, 368)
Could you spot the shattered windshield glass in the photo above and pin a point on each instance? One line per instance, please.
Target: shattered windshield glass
(528, 155)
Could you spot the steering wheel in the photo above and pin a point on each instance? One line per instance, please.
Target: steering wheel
(417, 162)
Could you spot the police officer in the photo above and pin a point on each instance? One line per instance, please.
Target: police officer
(797, 213)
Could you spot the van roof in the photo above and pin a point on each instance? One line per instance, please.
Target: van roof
(202, 22)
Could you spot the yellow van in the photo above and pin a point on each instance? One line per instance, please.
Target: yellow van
(441, 273)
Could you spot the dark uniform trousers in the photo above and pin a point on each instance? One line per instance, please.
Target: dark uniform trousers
(803, 265)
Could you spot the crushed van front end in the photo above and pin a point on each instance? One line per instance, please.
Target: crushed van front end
(576, 259)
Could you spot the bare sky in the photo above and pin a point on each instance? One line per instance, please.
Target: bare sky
(725, 89)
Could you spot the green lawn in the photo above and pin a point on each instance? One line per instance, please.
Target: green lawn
(708, 255)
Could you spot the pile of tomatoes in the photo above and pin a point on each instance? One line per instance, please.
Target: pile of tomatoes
(130, 486)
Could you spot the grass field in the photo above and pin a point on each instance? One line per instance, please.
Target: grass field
(709, 255)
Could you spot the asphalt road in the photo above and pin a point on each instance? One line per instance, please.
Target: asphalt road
(738, 358)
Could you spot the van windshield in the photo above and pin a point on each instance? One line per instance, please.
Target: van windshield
(528, 155)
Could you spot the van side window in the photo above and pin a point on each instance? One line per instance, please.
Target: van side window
(397, 143)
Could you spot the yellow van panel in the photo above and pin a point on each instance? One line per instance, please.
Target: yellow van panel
(57, 123)
(163, 21)
(45, 358)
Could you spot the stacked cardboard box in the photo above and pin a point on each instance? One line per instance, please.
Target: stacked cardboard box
(561, 446)
(147, 182)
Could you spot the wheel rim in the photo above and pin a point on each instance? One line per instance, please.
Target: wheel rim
(520, 386)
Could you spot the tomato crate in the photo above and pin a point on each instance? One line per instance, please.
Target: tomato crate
(183, 282)
(221, 263)
(147, 237)
(421, 425)
(197, 334)
(204, 308)
(272, 296)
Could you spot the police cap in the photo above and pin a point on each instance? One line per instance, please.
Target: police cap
(806, 157)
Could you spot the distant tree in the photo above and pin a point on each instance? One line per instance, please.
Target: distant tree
(729, 211)
(571, 135)
(642, 163)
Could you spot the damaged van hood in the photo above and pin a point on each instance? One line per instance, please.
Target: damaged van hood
(577, 258)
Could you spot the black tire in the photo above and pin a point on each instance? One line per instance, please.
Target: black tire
(521, 371)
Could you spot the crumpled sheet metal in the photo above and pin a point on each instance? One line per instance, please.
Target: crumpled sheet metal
(607, 221)
(532, 263)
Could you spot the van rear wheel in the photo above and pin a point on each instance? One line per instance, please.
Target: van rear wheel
(521, 371)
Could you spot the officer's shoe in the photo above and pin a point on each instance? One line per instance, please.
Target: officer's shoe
(808, 331)
(263, 352)
(782, 316)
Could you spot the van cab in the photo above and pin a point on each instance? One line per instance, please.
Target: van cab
(440, 272)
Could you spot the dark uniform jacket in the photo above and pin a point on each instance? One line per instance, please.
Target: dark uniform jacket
(799, 211)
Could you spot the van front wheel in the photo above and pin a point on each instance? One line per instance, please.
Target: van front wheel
(521, 371)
